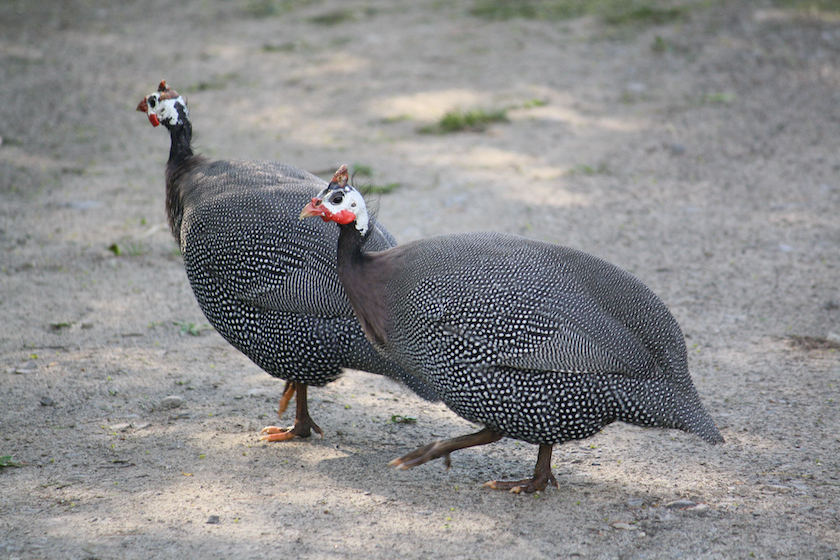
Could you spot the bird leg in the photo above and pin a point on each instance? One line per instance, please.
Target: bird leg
(303, 422)
(438, 449)
(288, 393)
(542, 475)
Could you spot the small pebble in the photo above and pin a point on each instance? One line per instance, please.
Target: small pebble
(214, 520)
(84, 204)
(46, 401)
(119, 427)
(624, 526)
(635, 502)
(27, 367)
(680, 504)
(699, 508)
(172, 402)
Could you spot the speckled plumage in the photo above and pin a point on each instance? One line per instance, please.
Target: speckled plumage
(534, 341)
(265, 280)
(537, 342)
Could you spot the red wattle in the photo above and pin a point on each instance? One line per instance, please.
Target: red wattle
(343, 217)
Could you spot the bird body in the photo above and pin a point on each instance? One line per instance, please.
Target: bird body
(534, 341)
(265, 281)
(527, 330)
(263, 278)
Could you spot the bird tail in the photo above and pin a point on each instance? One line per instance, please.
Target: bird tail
(650, 403)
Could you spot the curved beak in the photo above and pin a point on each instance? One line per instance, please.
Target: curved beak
(315, 208)
(144, 107)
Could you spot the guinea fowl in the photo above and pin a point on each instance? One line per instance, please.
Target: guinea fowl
(265, 283)
(533, 341)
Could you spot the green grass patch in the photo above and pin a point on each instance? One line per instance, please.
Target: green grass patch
(128, 248)
(474, 120)
(366, 172)
(220, 81)
(584, 169)
(612, 12)
(531, 103)
(291, 46)
(361, 169)
(9, 461)
(829, 6)
(337, 17)
(720, 98)
(382, 189)
(268, 8)
(192, 329)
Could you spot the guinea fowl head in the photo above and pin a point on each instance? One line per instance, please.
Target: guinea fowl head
(339, 203)
(164, 106)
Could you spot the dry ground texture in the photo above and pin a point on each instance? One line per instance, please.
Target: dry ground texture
(693, 143)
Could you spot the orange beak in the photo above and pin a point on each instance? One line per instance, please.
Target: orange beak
(315, 208)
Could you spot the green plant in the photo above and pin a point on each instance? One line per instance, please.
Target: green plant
(192, 329)
(361, 169)
(335, 17)
(809, 5)
(267, 8)
(129, 248)
(219, 81)
(612, 12)
(475, 120)
(721, 98)
(8, 461)
(382, 189)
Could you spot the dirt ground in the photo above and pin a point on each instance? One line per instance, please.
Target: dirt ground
(699, 150)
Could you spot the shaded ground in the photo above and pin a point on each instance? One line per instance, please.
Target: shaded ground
(699, 150)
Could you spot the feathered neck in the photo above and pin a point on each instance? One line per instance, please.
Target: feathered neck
(182, 161)
(350, 243)
(181, 136)
(363, 279)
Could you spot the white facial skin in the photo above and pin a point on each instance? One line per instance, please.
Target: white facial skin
(166, 110)
(348, 199)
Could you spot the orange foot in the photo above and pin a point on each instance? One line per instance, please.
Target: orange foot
(304, 425)
(276, 433)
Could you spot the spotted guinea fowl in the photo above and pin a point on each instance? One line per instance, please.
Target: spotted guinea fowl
(266, 284)
(533, 341)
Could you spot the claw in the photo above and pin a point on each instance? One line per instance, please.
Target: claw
(274, 433)
(304, 425)
(542, 476)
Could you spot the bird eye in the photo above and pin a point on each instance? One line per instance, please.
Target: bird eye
(337, 198)
(152, 101)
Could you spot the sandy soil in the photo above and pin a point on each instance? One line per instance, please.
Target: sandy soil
(700, 153)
